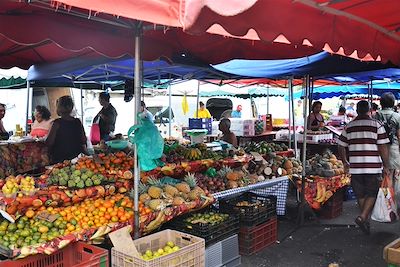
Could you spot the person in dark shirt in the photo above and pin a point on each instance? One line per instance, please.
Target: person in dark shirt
(107, 116)
(67, 137)
(3, 133)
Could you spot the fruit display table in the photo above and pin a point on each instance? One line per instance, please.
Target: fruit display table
(21, 157)
(277, 187)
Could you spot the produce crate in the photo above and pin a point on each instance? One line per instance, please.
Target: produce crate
(391, 253)
(201, 124)
(191, 253)
(289, 153)
(252, 215)
(210, 233)
(78, 254)
(254, 239)
(223, 253)
(333, 207)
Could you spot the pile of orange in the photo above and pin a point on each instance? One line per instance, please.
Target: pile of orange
(94, 213)
(109, 164)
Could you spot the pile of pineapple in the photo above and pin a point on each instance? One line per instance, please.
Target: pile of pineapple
(158, 196)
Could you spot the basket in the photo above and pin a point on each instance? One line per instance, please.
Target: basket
(117, 144)
(253, 215)
(210, 233)
(191, 253)
(77, 254)
(254, 239)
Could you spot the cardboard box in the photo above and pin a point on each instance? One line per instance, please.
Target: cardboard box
(391, 253)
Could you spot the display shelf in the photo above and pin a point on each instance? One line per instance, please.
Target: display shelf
(277, 187)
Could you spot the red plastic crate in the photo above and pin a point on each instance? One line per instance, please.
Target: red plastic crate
(331, 211)
(77, 254)
(254, 239)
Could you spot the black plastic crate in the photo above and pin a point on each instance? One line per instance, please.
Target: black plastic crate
(250, 215)
(210, 233)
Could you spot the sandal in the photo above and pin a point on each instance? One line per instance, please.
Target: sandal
(364, 226)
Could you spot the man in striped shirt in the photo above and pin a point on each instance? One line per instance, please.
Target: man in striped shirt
(366, 141)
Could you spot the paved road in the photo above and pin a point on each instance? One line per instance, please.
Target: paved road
(318, 245)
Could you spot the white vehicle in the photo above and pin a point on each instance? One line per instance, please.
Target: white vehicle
(161, 120)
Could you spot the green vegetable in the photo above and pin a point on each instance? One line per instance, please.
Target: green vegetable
(211, 172)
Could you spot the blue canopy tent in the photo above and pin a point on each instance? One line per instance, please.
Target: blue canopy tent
(324, 92)
(251, 93)
(319, 65)
(89, 73)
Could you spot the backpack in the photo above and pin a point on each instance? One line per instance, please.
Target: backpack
(388, 125)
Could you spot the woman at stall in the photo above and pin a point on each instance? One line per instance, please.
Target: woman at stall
(315, 120)
(42, 124)
(3, 133)
(67, 137)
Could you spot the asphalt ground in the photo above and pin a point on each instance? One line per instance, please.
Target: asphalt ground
(319, 243)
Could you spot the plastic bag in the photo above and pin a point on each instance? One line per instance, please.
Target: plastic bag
(385, 209)
(149, 143)
(95, 133)
(396, 179)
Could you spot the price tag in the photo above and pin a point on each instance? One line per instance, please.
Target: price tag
(257, 156)
(47, 216)
(123, 242)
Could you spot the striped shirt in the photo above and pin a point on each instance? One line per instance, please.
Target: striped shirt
(362, 137)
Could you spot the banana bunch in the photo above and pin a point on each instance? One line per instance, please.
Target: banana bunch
(322, 194)
(192, 154)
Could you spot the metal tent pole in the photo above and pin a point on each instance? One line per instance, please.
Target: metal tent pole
(303, 173)
(290, 118)
(267, 99)
(291, 100)
(169, 110)
(28, 85)
(81, 103)
(198, 98)
(137, 88)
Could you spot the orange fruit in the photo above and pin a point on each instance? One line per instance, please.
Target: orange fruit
(37, 203)
(29, 213)
(114, 219)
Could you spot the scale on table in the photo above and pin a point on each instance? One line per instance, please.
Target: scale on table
(218, 145)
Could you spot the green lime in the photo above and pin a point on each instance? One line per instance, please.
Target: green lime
(73, 222)
(12, 227)
(6, 244)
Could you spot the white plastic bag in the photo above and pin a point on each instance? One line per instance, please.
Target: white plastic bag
(385, 209)
(396, 179)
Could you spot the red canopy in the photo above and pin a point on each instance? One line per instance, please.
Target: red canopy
(31, 35)
(356, 28)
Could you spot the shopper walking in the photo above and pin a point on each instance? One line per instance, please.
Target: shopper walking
(366, 140)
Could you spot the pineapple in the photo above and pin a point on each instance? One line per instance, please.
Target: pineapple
(224, 171)
(143, 195)
(183, 187)
(191, 180)
(196, 192)
(156, 204)
(178, 201)
(170, 190)
(154, 190)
